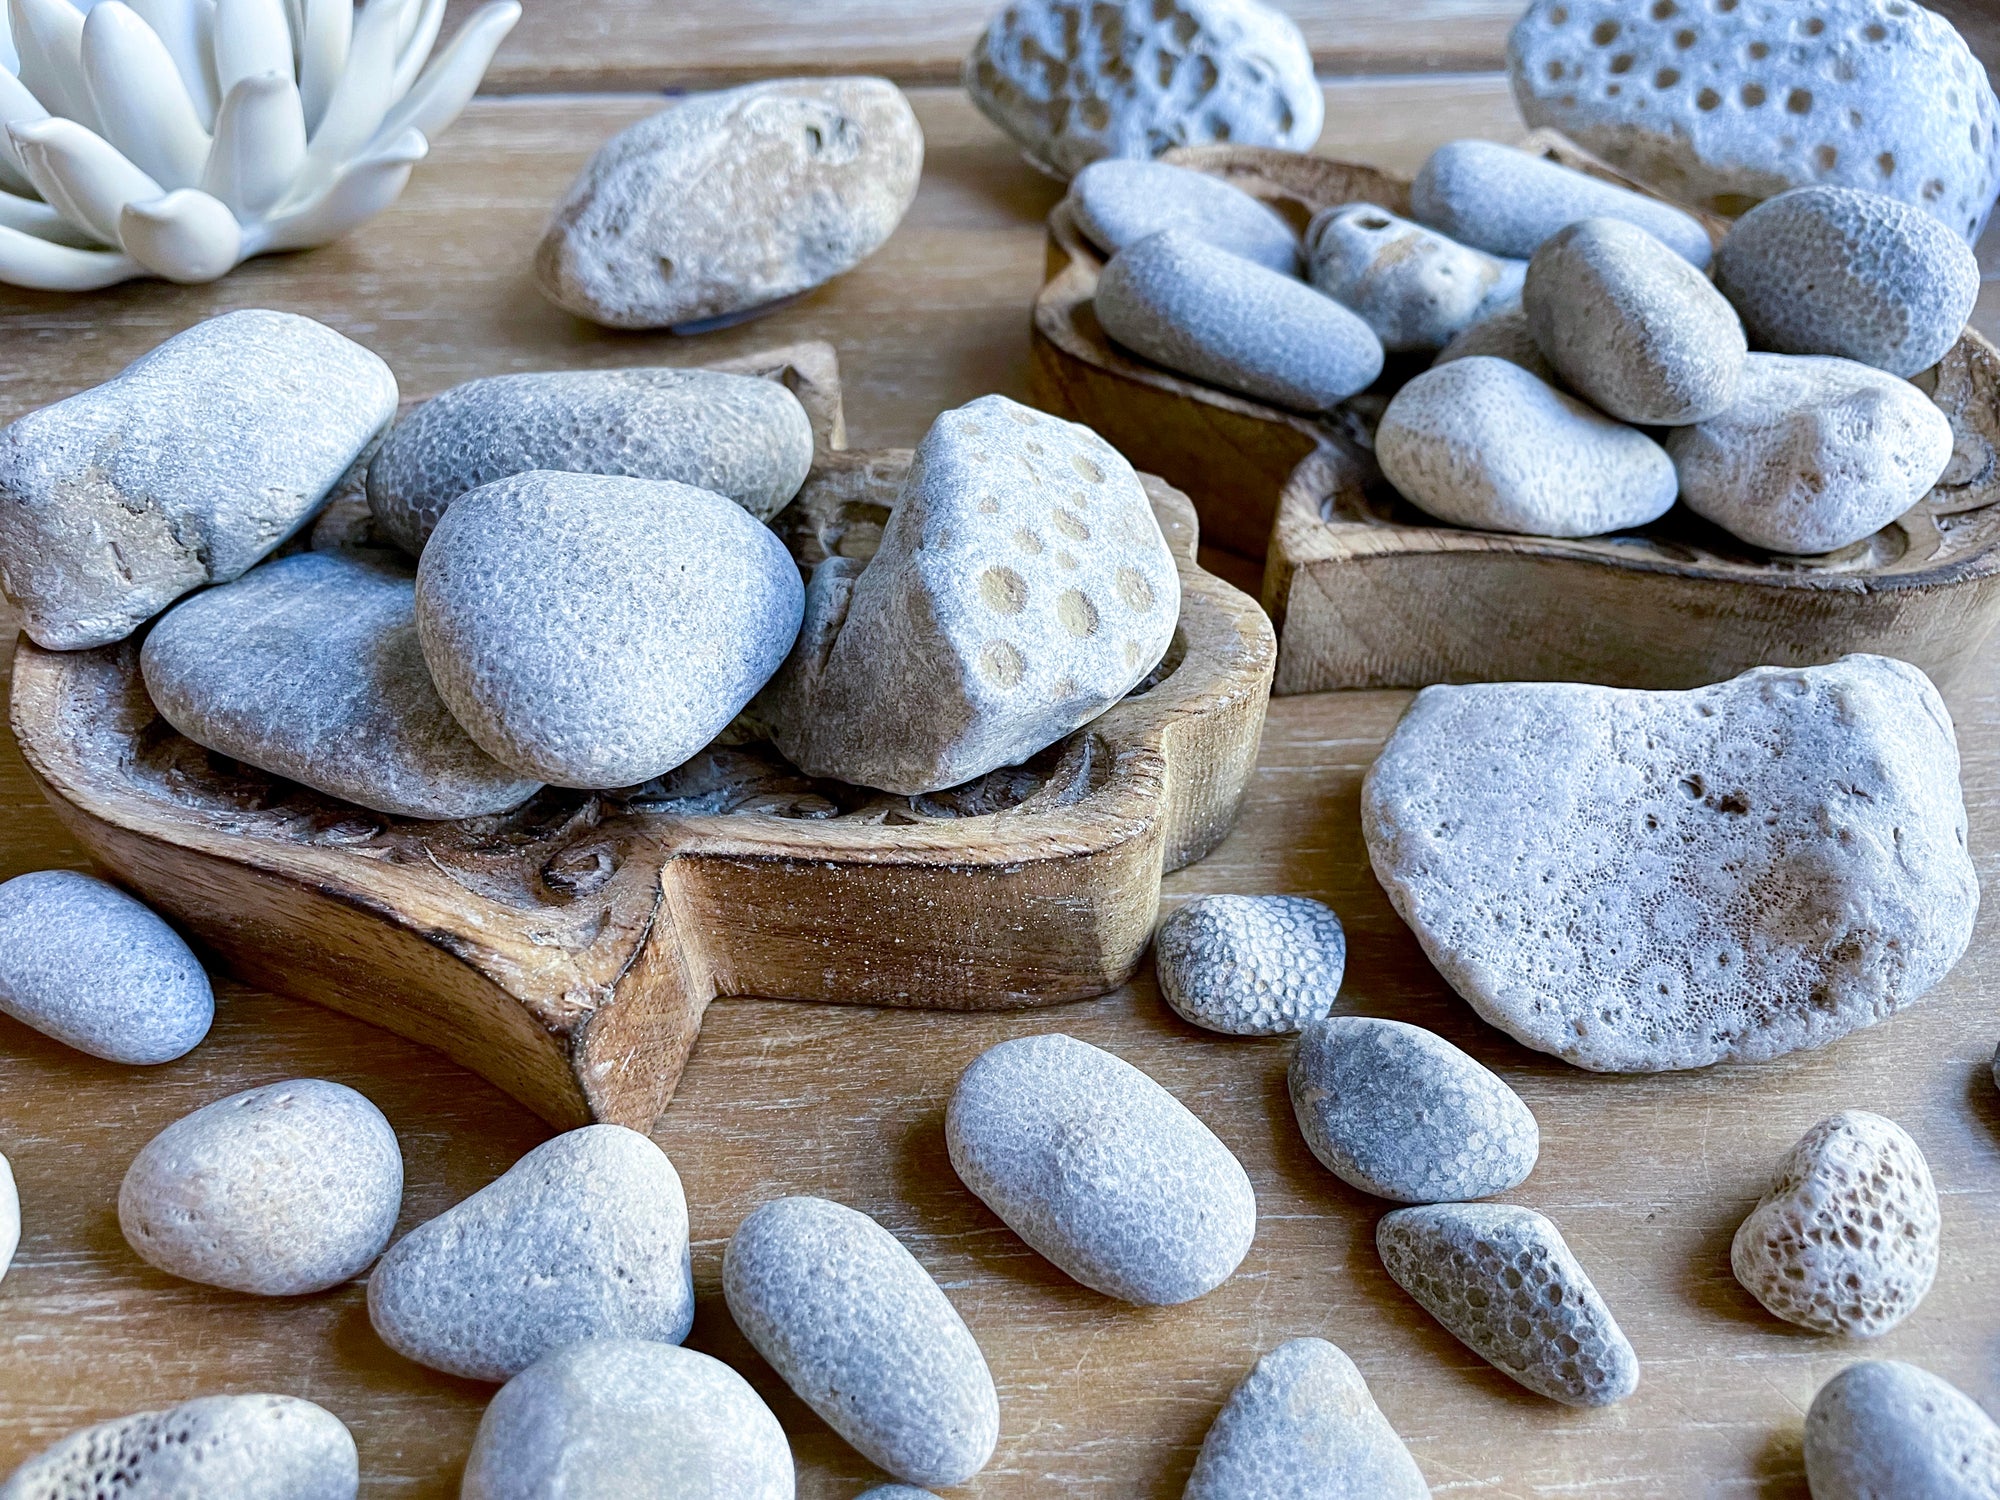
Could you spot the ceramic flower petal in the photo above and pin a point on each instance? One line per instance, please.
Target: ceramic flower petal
(80, 174)
(185, 236)
(30, 261)
(142, 105)
(260, 144)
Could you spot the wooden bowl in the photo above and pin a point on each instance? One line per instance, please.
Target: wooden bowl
(1367, 591)
(566, 951)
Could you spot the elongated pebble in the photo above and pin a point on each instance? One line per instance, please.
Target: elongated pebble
(896, 1492)
(10, 1216)
(1120, 201)
(1251, 965)
(1885, 1430)
(1416, 288)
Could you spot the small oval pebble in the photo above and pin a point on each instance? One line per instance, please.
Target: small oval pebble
(1413, 286)
(1100, 1170)
(1251, 965)
(1884, 1430)
(1118, 202)
(214, 1448)
(1634, 329)
(1399, 1112)
(1236, 324)
(855, 1325)
(1503, 335)
(1481, 442)
(280, 1190)
(1503, 1283)
(584, 1237)
(83, 962)
(628, 1418)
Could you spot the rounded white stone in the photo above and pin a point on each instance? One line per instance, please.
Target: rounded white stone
(1885, 1430)
(1251, 965)
(10, 1216)
(1413, 286)
(1118, 202)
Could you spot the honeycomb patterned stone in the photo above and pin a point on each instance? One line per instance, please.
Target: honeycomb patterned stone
(1885, 1430)
(1251, 965)
(1416, 288)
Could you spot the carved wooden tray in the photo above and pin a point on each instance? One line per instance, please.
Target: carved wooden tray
(1367, 591)
(567, 950)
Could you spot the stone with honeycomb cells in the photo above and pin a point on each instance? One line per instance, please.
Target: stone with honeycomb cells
(1251, 965)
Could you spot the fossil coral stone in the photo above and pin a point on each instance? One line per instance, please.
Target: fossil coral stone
(1503, 1283)
(1399, 1112)
(1303, 1426)
(1813, 453)
(217, 1447)
(83, 962)
(1022, 587)
(628, 1417)
(1501, 335)
(851, 1321)
(1506, 201)
(1201, 311)
(742, 437)
(1118, 202)
(596, 631)
(1416, 288)
(310, 668)
(185, 469)
(1845, 1240)
(1077, 80)
(733, 200)
(1251, 965)
(1721, 106)
(1884, 1430)
(1829, 270)
(1100, 1170)
(1479, 441)
(1636, 881)
(1633, 328)
(584, 1237)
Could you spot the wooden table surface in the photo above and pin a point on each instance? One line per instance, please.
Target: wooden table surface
(1647, 1177)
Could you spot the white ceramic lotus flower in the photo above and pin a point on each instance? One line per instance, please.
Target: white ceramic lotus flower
(178, 138)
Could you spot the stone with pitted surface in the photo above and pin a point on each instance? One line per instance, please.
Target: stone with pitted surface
(1119, 202)
(1416, 288)
(1885, 1430)
(1251, 965)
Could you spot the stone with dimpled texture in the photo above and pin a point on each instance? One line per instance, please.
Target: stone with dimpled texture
(1021, 588)
(1416, 288)
(1502, 335)
(1119, 202)
(856, 1326)
(1845, 1239)
(1251, 965)
(1724, 106)
(1503, 1283)
(1885, 1430)
(584, 1237)
(1638, 881)
(1100, 1170)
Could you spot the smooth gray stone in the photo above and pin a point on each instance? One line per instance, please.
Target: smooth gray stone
(1251, 965)
(596, 631)
(1416, 288)
(858, 1329)
(83, 962)
(1118, 202)
(1501, 335)
(1100, 1170)
(1230, 322)
(630, 1419)
(280, 1190)
(1885, 1430)
(310, 668)
(738, 435)
(185, 469)
(896, 1492)
(584, 1237)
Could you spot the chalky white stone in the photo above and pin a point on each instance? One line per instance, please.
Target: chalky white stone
(1723, 106)
(584, 1237)
(1416, 288)
(1022, 587)
(280, 1190)
(1638, 881)
(1100, 1170)
(1845, 1240)
(1077, 80)
(1885, 1430)
(1303, 1426)
(1503, 1283)
(1119, 202)
(215, 1447)
(185, 469)
(1813, 453)
(1502, 335)
(856, 1326)
(1479, 441)
(83, 962)
(595, 631)
(1251, 965)
(728, 202)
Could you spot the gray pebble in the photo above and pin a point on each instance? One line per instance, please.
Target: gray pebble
(856, 1326)
(280, 1190)
(632, 1419)
(83, 962)
(1634, 329)
(1413, 286)
(1251, 965)
(1399, 1112)
(1100, 1170)
(895, 1492)
(185, 469)
(1119, 202)
(1304, 1426)
(212, 1448)
(1228, 321)
(584, 1237)
(1830, 270)
(597, 631)
(1885, 1430)
(1503, 1283)
(1501, 335)
(310, 668)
